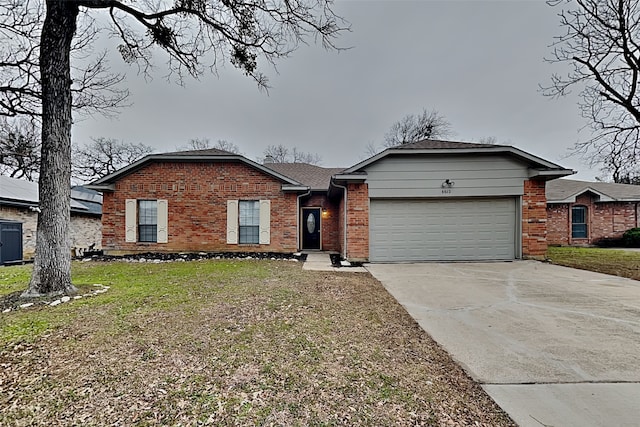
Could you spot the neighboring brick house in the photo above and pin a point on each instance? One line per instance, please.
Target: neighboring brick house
(583, 213)
(430, 200)
(19, 212)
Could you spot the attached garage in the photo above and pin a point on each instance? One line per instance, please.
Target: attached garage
(466, 229)
(446, 201)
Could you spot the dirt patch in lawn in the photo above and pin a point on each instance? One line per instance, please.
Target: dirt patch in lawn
(244, 343)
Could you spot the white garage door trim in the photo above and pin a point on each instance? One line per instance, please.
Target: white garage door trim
(461, 229)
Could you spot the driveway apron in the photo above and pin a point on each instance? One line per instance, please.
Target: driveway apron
(553, 346)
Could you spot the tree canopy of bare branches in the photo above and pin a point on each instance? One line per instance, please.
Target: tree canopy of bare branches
(44, 44)
(19, 148)
(601, 45)
(103, 156)
(413, 128)
(94, 87)
(281, 154)
(204, 143)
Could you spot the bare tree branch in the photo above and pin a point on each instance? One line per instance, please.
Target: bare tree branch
(103, 156)
(19, 148)
(601, 43)
(412, 128)
(95, 89)
(205, 143)
(281, 154)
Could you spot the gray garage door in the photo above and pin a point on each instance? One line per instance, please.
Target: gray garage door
(442, 230)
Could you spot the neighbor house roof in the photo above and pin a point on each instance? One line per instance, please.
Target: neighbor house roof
(314, 177)
(566, 191)
(89, 198)
(540, 168)
(208, 155)
(18, 192)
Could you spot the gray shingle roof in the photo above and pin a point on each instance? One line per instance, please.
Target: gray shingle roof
(435, 144)
(205, 152)
(316, 177)
(18, 192)
(565, 190)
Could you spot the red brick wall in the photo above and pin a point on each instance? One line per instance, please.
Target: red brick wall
(558, 224)
(197, 195)
(534, 219)
(357, 222)
(604, 220)
(329, 218)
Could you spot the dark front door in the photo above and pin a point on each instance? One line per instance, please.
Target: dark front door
(311, 228)
(10, 242)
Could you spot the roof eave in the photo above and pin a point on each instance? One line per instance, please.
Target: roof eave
(101, 187)
(549, 174)
(573, 197)
(507, 149)
(18, 203)
(295, 188)
(350, 178)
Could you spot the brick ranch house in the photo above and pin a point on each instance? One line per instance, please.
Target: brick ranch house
(19, 218)
(430, 200)
(583, 213)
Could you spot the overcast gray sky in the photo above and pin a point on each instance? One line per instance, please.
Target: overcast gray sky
(479, 63)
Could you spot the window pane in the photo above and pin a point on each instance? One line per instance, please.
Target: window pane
(579, 231)
(579, 222)
(249, 234)
(147, 212)
(249, 219)
(249, 212)
(148, 233)
(147, 220)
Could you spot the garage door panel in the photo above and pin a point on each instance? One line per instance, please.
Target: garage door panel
(441, 230)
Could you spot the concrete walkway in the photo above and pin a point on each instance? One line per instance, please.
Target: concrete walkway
(553, 346)
(320, 261)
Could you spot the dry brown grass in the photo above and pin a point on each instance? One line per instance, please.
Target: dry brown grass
(230, 343)
(621, 263)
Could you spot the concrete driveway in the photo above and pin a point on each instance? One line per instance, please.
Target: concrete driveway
(553, 346)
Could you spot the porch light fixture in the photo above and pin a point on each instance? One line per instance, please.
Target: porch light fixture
(325, 212)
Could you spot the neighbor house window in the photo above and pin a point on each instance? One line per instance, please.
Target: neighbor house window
(147, 220)
(249, 221)
(579, 222)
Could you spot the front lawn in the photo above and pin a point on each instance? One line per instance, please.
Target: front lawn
(227, 343)
(609, 261)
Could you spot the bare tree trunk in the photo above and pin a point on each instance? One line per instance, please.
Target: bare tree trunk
(52, 268)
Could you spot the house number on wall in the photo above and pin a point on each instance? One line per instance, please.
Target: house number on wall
(446, 191)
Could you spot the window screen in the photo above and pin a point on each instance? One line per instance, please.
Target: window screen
(249, 219)
(147, 220)
(579, 222)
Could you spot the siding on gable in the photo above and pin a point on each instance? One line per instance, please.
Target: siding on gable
(423, 176)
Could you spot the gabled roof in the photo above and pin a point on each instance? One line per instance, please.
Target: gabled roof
(542, 168)
(208, 155)
(314, 177)
(566, 191)
(18, 192)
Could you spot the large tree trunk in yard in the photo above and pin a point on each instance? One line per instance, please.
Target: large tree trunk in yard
(52, 266)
